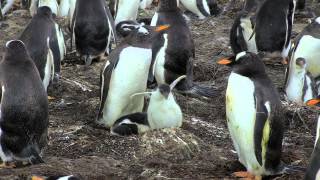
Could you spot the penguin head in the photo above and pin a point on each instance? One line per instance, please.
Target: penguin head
(16, 50)
(245, 63)
(300, 64)
(44, 11)
(213, 7)
(164, 90)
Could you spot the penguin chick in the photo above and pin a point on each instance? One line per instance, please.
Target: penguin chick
(163, 112)
(24, 108)
(300, 86)
(313, 169)
(242, 37)
(126, 72)
(254, 116)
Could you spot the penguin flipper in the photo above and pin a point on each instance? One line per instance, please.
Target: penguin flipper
(131, 124)
(111, 22)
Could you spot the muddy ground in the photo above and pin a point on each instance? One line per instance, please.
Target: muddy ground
(201, 149)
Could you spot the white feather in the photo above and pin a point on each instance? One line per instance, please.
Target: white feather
(64, 8)
(158, 67)
(191, 5)
(318, 20)
(154, 19)
(247, 33)
(127, 10)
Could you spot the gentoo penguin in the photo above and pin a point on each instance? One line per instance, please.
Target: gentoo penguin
(254, 116)
(300, 85)
(163, 112)
(126, 72)
(71, 177)
(313, 170)
(274, 25)
(53, 4)
(202, 8)
(307, 46)
(44, 41)
(24, 108)
(93, 29)
(173, 51)
(241, 34)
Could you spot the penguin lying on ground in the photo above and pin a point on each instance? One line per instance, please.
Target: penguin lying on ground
(163, 112)
(45, 43)
(313, 170)
(202, 8)
(241, 34)
(24, 108)
(93, 29)
(126, 72)
(300, 85)
(173, 51)
(307, 46)
(273, 27)
(254, 116)
(53, 4)
(71, 177)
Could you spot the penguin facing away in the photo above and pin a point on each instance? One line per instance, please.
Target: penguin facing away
(274, 26)
(24, 108)
(202, 8)
(163, 112)
(300, 85)
(45, 43)
(313, 170)
(93, 29)
(126, 72)
(254, 116)
(307, 46)
(173, 51)
(53, 4)
(242, 37)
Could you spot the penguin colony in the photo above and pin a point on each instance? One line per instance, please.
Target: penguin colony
(161, 55)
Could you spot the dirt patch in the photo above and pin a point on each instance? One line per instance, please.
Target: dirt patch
(201, 149)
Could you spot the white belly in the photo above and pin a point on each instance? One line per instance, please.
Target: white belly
(241, 115)
(49, 70)
(154, 19)
(191, 5)
(247, 33)
(64, 8)
(294, 89)
(128, 10)
(129, 77)
(158, 67)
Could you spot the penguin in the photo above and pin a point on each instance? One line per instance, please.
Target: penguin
(254, 116)
(24, 108)
(71, 177)
(300, 85)
(163, 112)
(53, 4)
(93, 29)
(202, 8)
(241, 33)
(126, 72)
(124, 10)
(307, 46)
(274, 25)
(64, 8)
(7, 7)
(173, 51)
(313, 169)
(44, 41)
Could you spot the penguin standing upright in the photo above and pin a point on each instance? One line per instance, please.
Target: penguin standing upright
(300, 85)
(254, 116)
(307, 46)
(93, 28)
(313, 170)
(24, 108)
(126, 73)
(163, 112)
(44, 41)
(173, 50)
(53, 4)
(241, 34)
(202, 8)
(274, 25)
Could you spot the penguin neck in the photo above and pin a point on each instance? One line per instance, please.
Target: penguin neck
(168, 5)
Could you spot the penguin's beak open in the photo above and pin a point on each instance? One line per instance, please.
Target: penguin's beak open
(224, 61)
(162, 28)
(36, 178)
(313, 102)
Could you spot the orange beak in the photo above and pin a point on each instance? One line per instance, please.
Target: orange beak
(224, 61)
(36, 178)
(162, 28)
(313, 102)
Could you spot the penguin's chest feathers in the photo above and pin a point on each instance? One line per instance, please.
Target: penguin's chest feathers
(247, 32)
(296, 80)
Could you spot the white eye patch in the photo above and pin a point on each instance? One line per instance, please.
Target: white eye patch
(240, 55)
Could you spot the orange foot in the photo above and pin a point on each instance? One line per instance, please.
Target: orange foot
(244, 175)
(6, 165)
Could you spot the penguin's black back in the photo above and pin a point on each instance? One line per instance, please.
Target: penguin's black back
(35, 36)
(314, 165)
(91, 26)
(24, 104)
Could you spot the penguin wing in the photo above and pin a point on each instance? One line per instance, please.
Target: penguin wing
(111, 22)
(262, 115)
(54, 46)
(156, 46)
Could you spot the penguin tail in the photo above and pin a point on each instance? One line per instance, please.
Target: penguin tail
(36, 158)
(196, 90)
